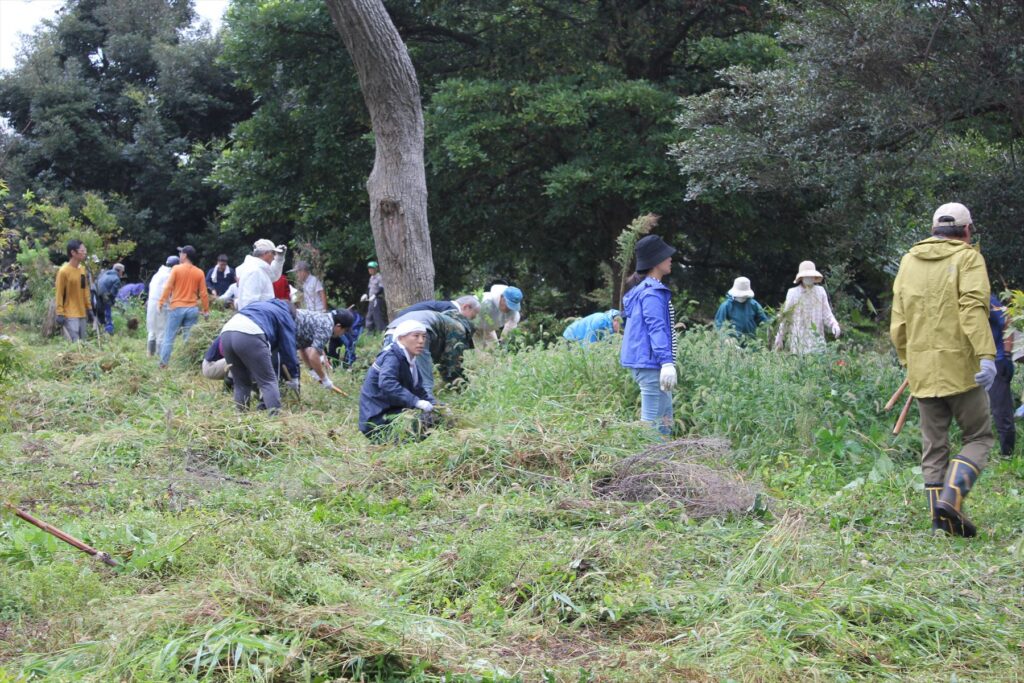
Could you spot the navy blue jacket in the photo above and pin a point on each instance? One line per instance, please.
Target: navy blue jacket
(222, 283)
(647, 341)
(997, 322)
(388, 388)
(436, 306)
(274, 317)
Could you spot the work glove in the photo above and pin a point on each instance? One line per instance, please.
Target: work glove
(835, 330)
(425, 406)
(293, 384)
(312, 375)
(987, 374)
(59, 320)
(327, 384)
(364, 297)
(668, 377)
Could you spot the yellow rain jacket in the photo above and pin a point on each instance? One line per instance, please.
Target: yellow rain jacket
(940, 316)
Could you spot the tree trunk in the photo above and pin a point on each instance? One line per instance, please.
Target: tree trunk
(397, 185)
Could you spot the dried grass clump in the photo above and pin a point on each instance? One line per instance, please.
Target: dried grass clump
(680, 473)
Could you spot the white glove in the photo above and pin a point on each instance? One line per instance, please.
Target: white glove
(364, 297)
(293, 384)
(313, 376)
(425, 406)
(835, 330)
(668, 376)
(326, 383)
(372, 297)
(987, 374)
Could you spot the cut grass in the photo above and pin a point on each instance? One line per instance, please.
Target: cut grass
(290, 549)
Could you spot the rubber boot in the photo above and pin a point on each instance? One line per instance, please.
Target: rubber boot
(151, 347)
(960, 477)
(938, 523)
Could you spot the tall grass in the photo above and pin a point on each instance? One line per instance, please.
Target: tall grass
(255, 548)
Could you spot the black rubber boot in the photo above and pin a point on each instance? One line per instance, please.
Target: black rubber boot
(960, 477)
(938, 523)
(151, 347)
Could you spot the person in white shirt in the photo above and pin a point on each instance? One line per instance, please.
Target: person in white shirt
(498, 310)
(806, 314)
(259, 271)
(314, 298)
(156, 317)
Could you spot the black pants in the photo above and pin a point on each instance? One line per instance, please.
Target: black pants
(1001, 398)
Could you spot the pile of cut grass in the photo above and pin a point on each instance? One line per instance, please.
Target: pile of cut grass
(290, 549)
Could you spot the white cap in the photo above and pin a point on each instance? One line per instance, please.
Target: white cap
(952, 214)
(267, 245)
(408, 327)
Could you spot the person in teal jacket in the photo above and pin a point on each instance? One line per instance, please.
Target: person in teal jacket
(740, 310)
(595, 326)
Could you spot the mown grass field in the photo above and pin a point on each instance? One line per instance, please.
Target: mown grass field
(289, 549)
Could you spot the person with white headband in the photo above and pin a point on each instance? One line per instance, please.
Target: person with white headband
(394, 383)
(806, 314)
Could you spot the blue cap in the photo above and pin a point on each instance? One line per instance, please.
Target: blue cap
(172, 261)
(513, 298)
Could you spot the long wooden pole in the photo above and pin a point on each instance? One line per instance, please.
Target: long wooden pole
(67, 538)
(896, 396)
(902, 420)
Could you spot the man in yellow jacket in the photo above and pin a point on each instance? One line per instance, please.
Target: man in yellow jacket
(941, 332)
(72, 293)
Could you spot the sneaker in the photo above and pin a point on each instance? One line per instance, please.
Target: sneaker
(1019, 413)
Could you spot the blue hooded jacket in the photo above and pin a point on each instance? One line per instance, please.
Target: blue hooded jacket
(274, 317)
(744, 316)
(389, 388)
(647, 343)
(592, 327)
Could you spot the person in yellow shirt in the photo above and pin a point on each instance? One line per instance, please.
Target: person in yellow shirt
(74, 307)
(186, 290)
(940, 328)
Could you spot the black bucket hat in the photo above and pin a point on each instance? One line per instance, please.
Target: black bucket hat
(652, 250)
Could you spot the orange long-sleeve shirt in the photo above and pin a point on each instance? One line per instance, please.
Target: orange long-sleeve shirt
(185, 287)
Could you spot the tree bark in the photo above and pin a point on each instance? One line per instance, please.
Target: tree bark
(397, 185)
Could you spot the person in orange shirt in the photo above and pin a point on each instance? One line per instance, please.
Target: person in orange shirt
(186, 289)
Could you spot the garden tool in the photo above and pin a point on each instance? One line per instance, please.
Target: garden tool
(67, 538)
(902, 419)
(895, 397)
(960, 477)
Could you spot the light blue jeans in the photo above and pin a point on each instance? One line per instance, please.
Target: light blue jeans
(184, 317)
(655, 404)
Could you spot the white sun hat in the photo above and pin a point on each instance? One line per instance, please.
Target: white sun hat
(807, 269)
(741, 288)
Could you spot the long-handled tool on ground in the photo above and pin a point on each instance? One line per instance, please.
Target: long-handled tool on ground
(67, 538)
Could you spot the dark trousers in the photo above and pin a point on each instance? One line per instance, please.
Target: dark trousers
(249, 356)
(1001, 398)
(970, 409)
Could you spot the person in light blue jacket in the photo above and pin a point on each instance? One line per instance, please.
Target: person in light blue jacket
(595, 326)
(649, 344)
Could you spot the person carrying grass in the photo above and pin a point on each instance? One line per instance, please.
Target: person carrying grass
(940, 330)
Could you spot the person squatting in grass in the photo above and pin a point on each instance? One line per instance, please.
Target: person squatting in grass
(468, 306)
(249, 340)
(449, 335)
(313, 334)
(806, 314)
(499, 310)
(594, 327)
(394, 384)
(940, 330)
(74, 307)
(740, 314)
(649, 344)
(186, 291)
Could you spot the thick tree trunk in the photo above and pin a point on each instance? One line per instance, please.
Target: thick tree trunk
(397, 184)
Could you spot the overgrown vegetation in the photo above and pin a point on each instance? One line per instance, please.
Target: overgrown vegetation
(289, 549)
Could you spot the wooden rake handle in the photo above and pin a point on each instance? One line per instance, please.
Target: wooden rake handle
(895, 397)
(67, 538)
(902, 419)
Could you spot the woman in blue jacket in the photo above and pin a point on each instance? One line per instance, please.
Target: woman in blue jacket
(649, 344)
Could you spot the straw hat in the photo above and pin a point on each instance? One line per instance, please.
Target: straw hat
(807, 269)
(741, 288)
